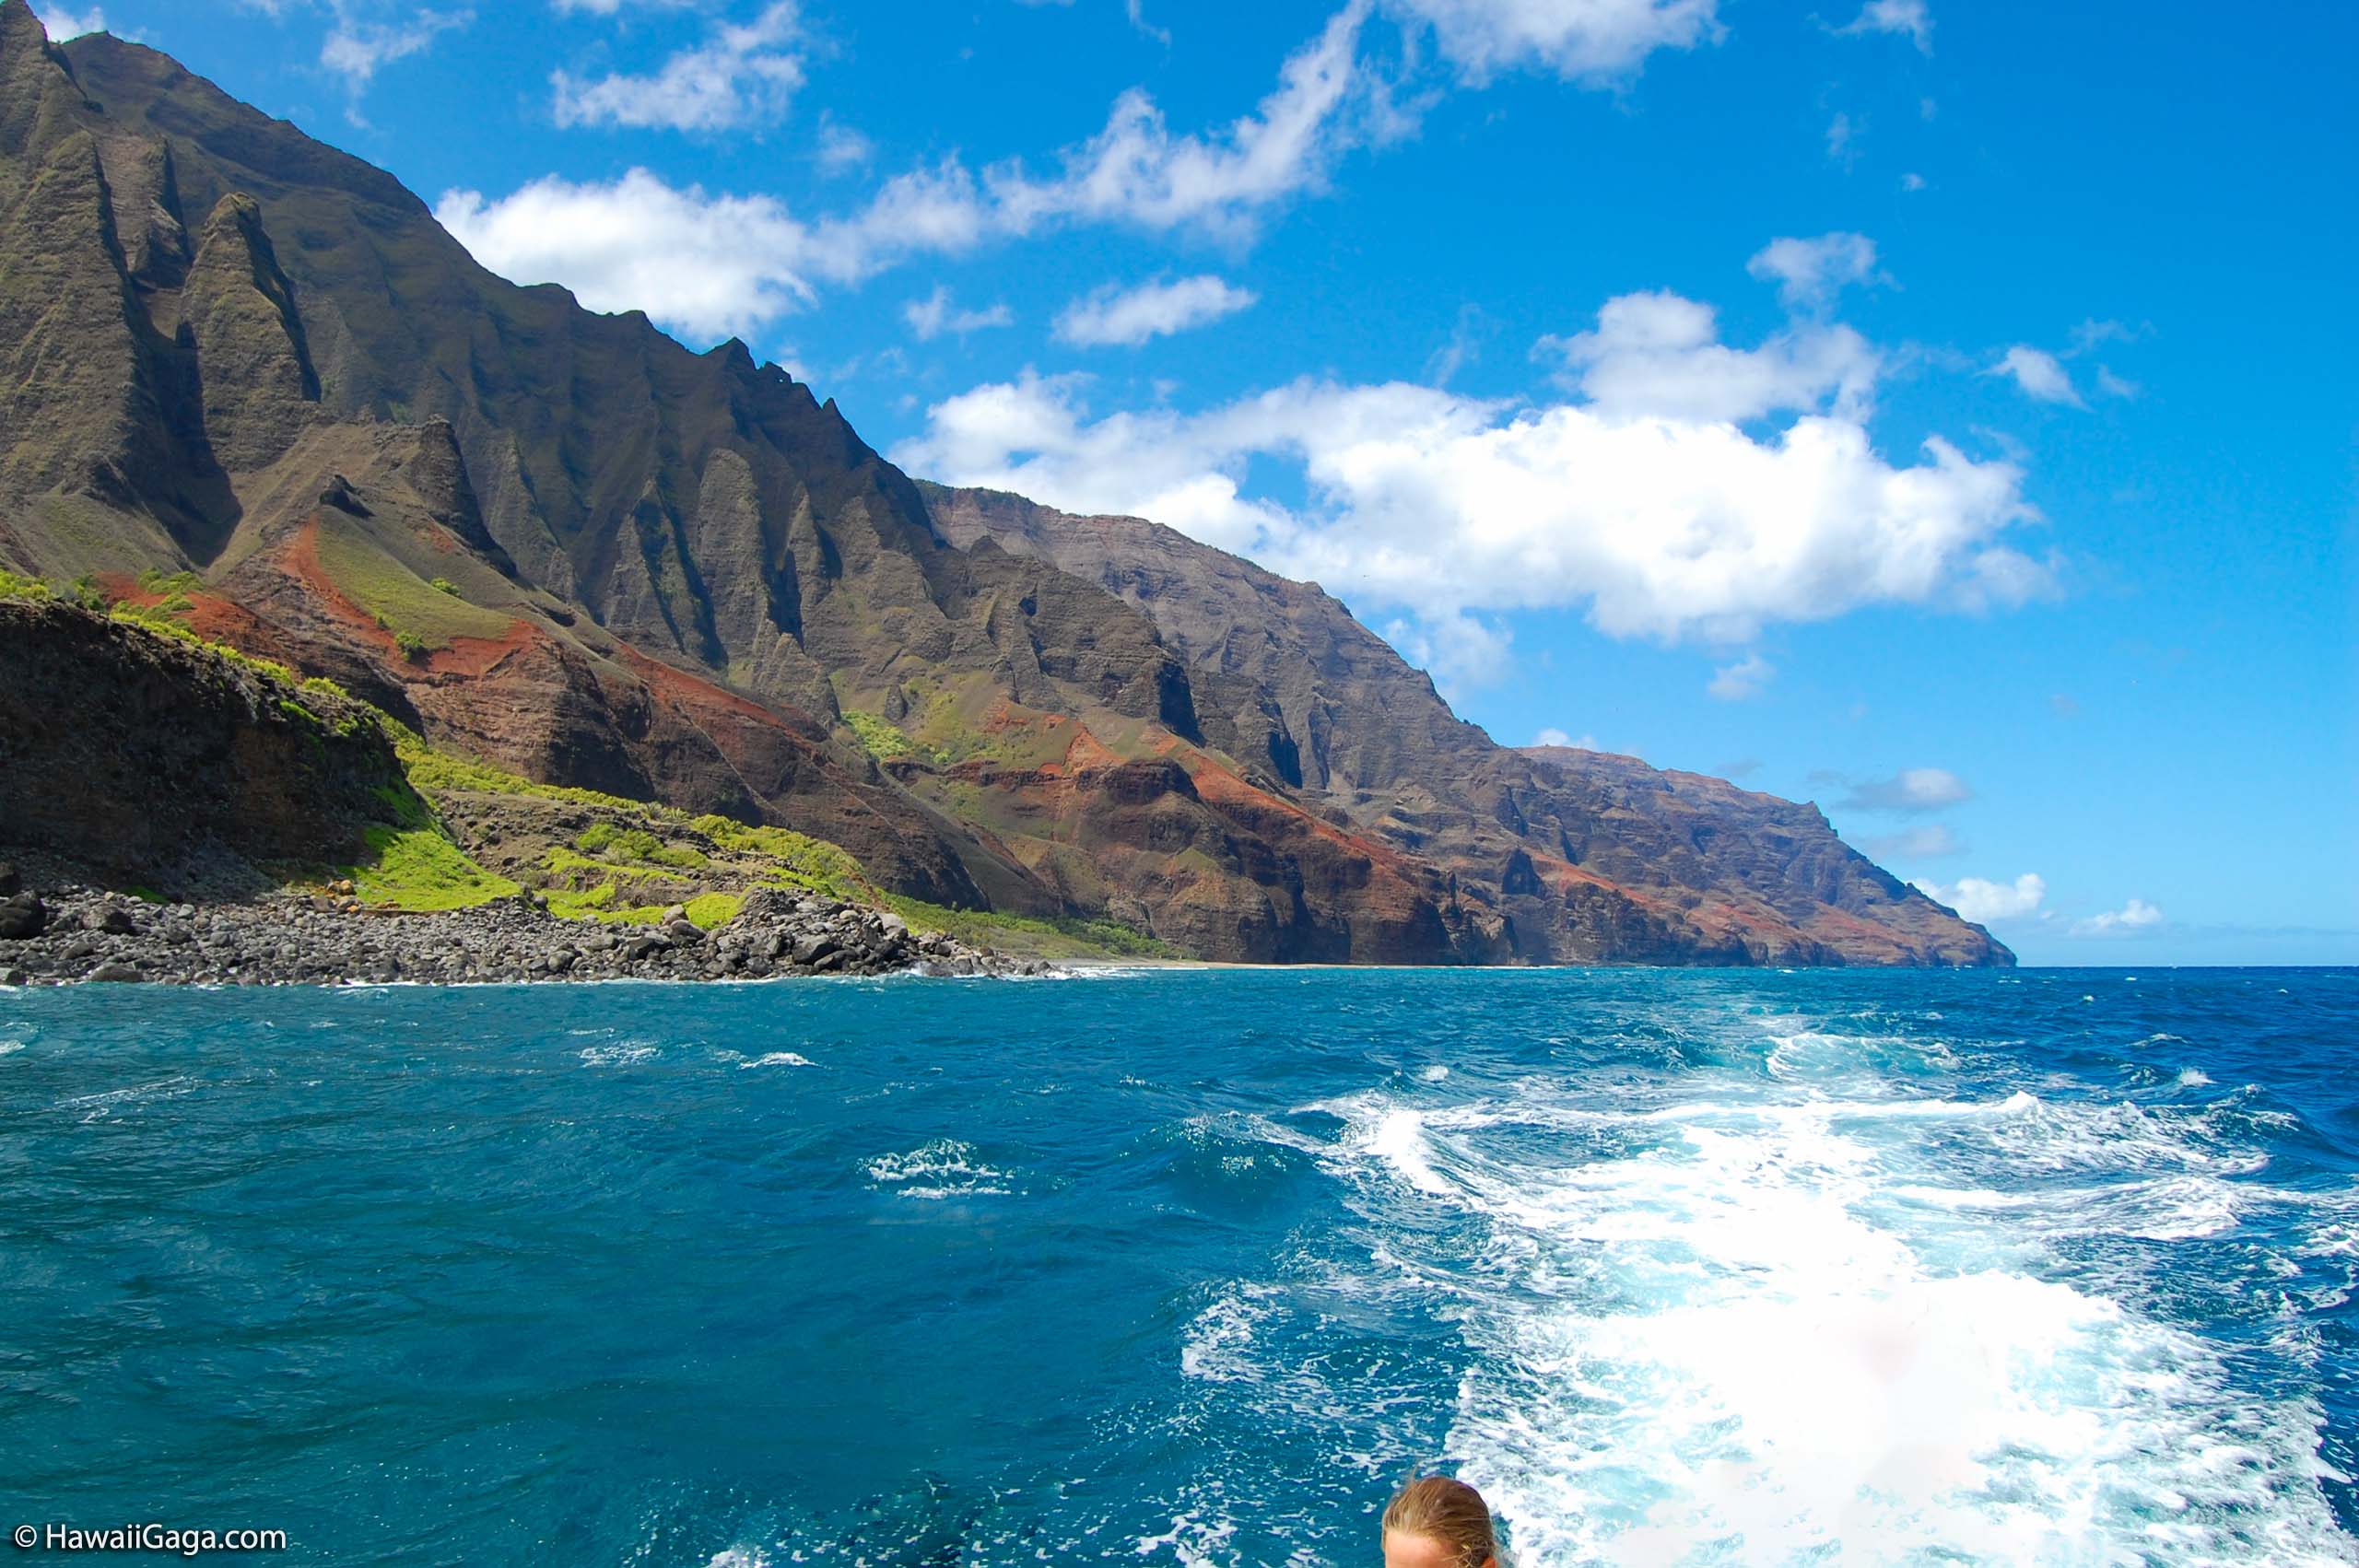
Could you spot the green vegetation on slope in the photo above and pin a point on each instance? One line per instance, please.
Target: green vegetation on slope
(883, 740)
(1030, 936)
(420, 869)
(421, 616)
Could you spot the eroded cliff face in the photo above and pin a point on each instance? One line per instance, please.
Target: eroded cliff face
(563, 541)
(1573, 856)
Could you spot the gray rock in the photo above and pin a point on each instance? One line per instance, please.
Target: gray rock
(114, 973)
(22, 916)
(10, 883)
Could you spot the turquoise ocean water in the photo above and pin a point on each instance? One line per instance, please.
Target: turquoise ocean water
(1193, 1266)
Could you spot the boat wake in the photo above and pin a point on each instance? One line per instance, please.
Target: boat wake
(1822, 1310)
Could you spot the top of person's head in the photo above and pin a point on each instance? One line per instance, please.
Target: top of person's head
(1438, 1523)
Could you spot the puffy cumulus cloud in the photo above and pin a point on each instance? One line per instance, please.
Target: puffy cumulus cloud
(1131, 316)
(1910, 790)
(1660, 355)
(1911, 19)
(62, 23)
(931, 317)
(1664, 524)
(2038, 373)
(1555, 737)
(1987, 902)
(705, 266)
(743, 74)
(1931, 842)
(1745, 678)
(1810, 273)
(1592, 41)
(2129, 921)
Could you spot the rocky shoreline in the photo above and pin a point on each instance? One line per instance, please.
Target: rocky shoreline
(72, 934)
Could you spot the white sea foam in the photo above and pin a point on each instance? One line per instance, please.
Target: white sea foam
(777, 1059)
(10, 1048)
(1218, 1345)
(943, 1168)
(1193, 1540)
(622, 1055)
(1768, 1328)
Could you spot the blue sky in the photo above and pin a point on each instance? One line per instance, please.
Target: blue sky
(1941, 412)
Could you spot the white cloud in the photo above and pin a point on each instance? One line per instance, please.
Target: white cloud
(1109, 315)
(1911, 789)
(1842, 134)
(1661, 526)
(1745, 678)
(935, 314)
(841, 148)
(1460, 650)
(1927, 843)
(1660, 355)
(1913, 18)
(707, 266)
(742, 75)
(1218, 183)
(2091, 332)
(1987, 902)
(2112, 385)
(1912, 182)
(62, 24)
(1594, 40)
(1134, 170)
(2131, 918)
(355, 49)
(1555, 737)
(2039, 373)
(1810, 273)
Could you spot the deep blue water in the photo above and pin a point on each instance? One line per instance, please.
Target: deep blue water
(1193, 1266)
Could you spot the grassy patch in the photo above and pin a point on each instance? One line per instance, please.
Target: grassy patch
(419, 869)
(1030, 936)
(561, 861)
(15, 587)
(708, 911)
(798, 861)
(883, 740)
(403, 602)
(432, 771)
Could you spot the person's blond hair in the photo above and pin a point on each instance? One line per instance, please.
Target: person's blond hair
(1448, 1511)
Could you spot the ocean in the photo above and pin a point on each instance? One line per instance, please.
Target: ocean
(1193, 1266)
